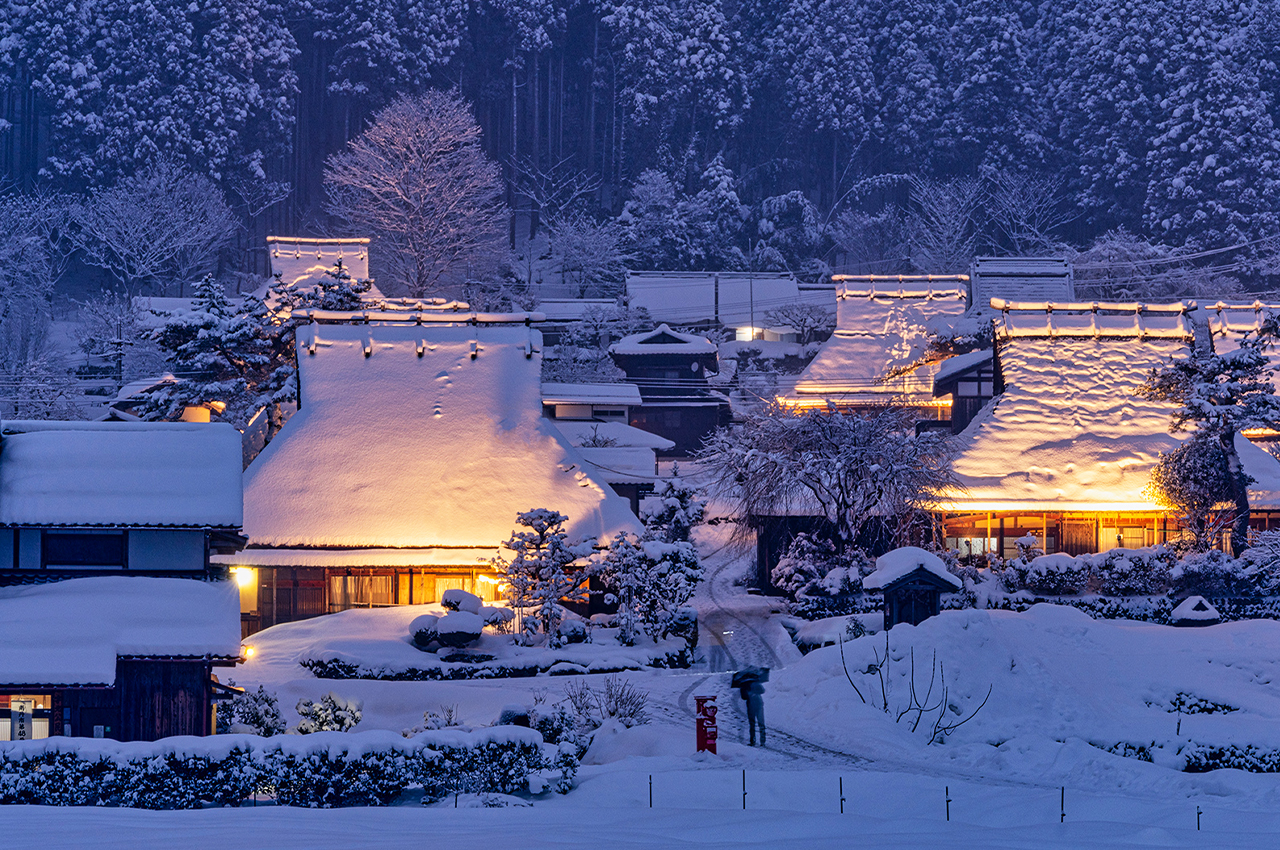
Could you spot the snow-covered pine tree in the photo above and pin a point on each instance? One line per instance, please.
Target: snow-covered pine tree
(673, 510)
(331, 713)
(1219, 395)
(254, 712)
(652, 580)
(334, 290)
(221, 354)
(547, 569)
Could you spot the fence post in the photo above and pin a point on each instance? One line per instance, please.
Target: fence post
(1197, 818)
(842, 795)
(744, 789)
(651, 790)
(1062, 803)
(947, 794)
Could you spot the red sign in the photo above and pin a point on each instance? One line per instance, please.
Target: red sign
(706, 724)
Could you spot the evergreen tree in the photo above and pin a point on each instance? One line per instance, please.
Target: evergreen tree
(547, 570)
(651, 581)
(673, 510)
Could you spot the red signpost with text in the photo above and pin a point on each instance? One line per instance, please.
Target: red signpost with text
(706, 724)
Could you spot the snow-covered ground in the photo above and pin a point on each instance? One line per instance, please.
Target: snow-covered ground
(1062, 687)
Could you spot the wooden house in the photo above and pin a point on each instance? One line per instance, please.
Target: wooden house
(878, 354)
(301, 261)
(671, 370)
(621, 456)
(134, 498)
(123, 657)
(1036, 279)
(1066, 448)
(400, 476)
(738, 300)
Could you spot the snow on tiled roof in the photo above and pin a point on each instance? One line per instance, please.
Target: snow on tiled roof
(577, 432)
(879, 331)
(619, 393)
(419, 437)
(70, 632)
(953, 366)
(663, 340)
(1133, 320)
(737, 299)
(120, 474)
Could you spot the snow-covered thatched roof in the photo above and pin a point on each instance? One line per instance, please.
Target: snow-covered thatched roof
(875, 354)
(896, 565)
(303, 261)
(138, 474)
(70, 632)
(1069, 432)
(413, 436)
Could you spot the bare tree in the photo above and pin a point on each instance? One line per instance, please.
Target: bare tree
(852, 468)
(942, 228)
(872, 244)
(1120, 266)
(159, 228)
(808, 320)
(35, 249)
(418, 183)
(1027, 209)
(114, 328)
(552, 190)
(589, 253)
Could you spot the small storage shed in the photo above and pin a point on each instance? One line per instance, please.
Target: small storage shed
(1195, 611)
(913, 581)
(114, 656)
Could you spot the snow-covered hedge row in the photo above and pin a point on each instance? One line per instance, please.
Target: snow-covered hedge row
(323, 770)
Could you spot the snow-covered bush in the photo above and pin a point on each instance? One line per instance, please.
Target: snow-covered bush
(673, 510)
(573, 631)
(321, 771)
(1133, 572)
(331, 714)
(619, 700)
(650, 580)
(1050, 575)
(422, 631)
(822, 581)
(456, 599)
(1260, 563)
(1210, 573)
(252, 712)
(498, 618)
(459, 629)
(1028, 547)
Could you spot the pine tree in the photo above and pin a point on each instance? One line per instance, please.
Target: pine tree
(673, 510)
(547, 570)
(651, 580)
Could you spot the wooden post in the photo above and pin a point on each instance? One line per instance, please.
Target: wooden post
(1044, 531)
(986, 544)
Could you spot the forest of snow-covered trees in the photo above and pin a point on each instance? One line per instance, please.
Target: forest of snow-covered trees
(834, 121)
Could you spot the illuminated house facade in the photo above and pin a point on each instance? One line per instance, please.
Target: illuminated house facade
(401, 474)
(1065, 450)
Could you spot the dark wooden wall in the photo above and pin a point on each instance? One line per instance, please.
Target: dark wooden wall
(163, 698)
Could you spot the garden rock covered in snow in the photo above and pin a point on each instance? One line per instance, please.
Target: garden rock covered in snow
(1195, 611)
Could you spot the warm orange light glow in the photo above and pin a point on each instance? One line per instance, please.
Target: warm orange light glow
(245, 576)
(248, 651)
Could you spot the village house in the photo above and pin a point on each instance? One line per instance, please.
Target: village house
(671, 370)
(112, 616)
(401, 474)
(741, 301)
(1065, 450)
(880, 352)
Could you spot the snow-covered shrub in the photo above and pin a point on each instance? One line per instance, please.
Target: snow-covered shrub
(1260, 564)
(423, 630)
(1133, 572)
(336, 775)
(1210, 573)
(619, 700)
(1028, 547)
(498, 618)
(459, 629)
(573, 631)
(823, 581)
(331, 714)
(673, 510)
(1054, 575)
(456, 599)
(252, 713)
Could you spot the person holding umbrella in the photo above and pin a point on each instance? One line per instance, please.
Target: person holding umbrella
(750, 684)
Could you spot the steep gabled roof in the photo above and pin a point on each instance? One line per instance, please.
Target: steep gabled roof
(1068, 432)
(419, 437)
(139, 474)
(879, 333)
(1040, 279)
(663, 340)
(303, 261)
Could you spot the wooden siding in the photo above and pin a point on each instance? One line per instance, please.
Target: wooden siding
(163, 698)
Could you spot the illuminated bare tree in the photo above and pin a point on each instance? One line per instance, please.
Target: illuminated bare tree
(418, 183)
